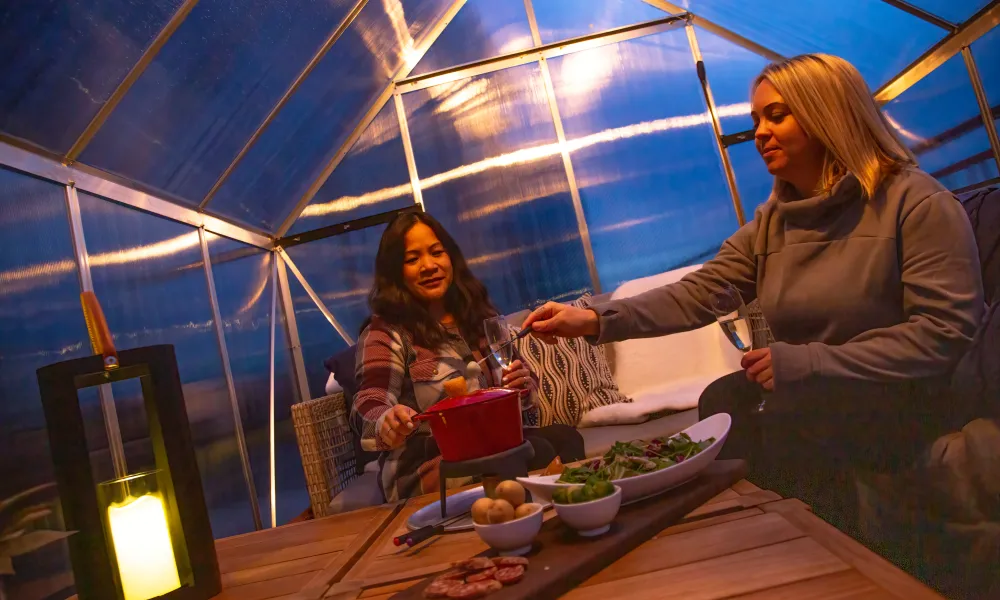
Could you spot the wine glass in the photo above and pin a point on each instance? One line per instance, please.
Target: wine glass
(498, 338)
(734, 319)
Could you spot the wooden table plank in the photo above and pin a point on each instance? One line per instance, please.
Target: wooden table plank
(882, 572)
(708, 521)
(668, 551)
(265, 572)
(266, 590)
(838, 586)
(725, 576)
(286, 561)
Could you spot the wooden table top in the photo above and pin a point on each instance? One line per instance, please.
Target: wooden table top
(745, 543)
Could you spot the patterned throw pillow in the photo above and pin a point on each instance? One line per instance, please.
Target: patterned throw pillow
(574, 377)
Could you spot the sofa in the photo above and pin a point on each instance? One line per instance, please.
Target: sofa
(664, 376)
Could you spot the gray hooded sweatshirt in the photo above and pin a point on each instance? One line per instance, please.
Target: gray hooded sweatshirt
(886, 289)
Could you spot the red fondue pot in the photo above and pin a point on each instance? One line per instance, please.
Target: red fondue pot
(480, 424)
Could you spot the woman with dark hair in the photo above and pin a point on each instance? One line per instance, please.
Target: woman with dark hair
(426, 327)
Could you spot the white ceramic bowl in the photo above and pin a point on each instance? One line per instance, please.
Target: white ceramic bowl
(643, 486)
(512, 538)
(591, 518)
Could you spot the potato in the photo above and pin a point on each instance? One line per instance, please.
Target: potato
(500, 512)
(511, 491)
(480, 511)
(528, 508)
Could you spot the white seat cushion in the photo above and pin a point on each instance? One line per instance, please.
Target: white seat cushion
(671, 395)
(674, 364)
(597, 440)
(360, 493)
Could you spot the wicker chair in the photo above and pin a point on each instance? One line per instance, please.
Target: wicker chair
(325, 443)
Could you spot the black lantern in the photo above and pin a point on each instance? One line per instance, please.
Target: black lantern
(146, 535)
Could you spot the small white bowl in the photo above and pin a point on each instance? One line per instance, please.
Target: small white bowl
(591, 518)
(513, 538)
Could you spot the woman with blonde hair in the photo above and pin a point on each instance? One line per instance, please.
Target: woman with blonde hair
(867, 273)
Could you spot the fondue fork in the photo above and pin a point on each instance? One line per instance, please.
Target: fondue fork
(418, 535)
(522, 334)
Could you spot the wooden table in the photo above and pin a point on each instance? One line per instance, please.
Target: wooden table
(745, 543)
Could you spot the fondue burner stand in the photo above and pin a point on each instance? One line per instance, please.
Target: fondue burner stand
(505, 465)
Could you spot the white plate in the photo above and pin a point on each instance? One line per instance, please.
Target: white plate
(641, 487)
(457, 504)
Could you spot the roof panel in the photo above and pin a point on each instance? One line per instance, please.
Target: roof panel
(939, 119)
(371, 179)
(955, 11)
(482, 29)
(564, 19)
(878, 39)
(184, 121)
(730, 70)
(294, 149)
(63, 60)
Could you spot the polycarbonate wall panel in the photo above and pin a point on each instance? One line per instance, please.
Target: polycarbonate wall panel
(371, 179)
(317, 336)
(481, 29)
(955, 11)
(150, 279)
(63, 60)
(644, 155)
(731, 70)
(564, 19)
(752, 179)
(879, 39)
(341, 270)
(295, 148)
(940, 120)
(183, 122)
(40, 323)
(243, 286)
(491, 172)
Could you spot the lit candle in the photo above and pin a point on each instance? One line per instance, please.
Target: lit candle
(143, 549)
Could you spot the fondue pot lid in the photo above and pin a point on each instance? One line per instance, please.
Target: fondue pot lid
(473, 398)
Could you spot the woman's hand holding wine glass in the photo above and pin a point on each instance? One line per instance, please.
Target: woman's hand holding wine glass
(734, 319)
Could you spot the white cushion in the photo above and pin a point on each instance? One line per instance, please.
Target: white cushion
(360, 493)
(670, 395)
(332, 387)
(644, 368)
(597, 440)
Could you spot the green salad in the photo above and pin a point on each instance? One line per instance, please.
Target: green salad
(638, 457)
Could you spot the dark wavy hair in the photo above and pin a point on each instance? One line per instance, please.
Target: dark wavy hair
(466, 299)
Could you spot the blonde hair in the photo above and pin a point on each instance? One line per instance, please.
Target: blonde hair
(832, 103)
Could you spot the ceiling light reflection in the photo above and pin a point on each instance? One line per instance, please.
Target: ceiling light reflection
(525, 155)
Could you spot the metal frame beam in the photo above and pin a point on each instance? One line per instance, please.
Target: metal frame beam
(574, 190)
(922, 14)
(984, 104)
(310, 66)
(520, 57)
(952, 44)
(727, 165)
(411, 164)
(130, 78)
(315, 297)
(272, 462)
(718, 30)
(292, 328)
(418, 53)
(46, 168)
(234, 403)
(116, 447)
(354, 225)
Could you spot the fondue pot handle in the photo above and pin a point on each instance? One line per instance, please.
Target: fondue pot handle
(424, 416)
